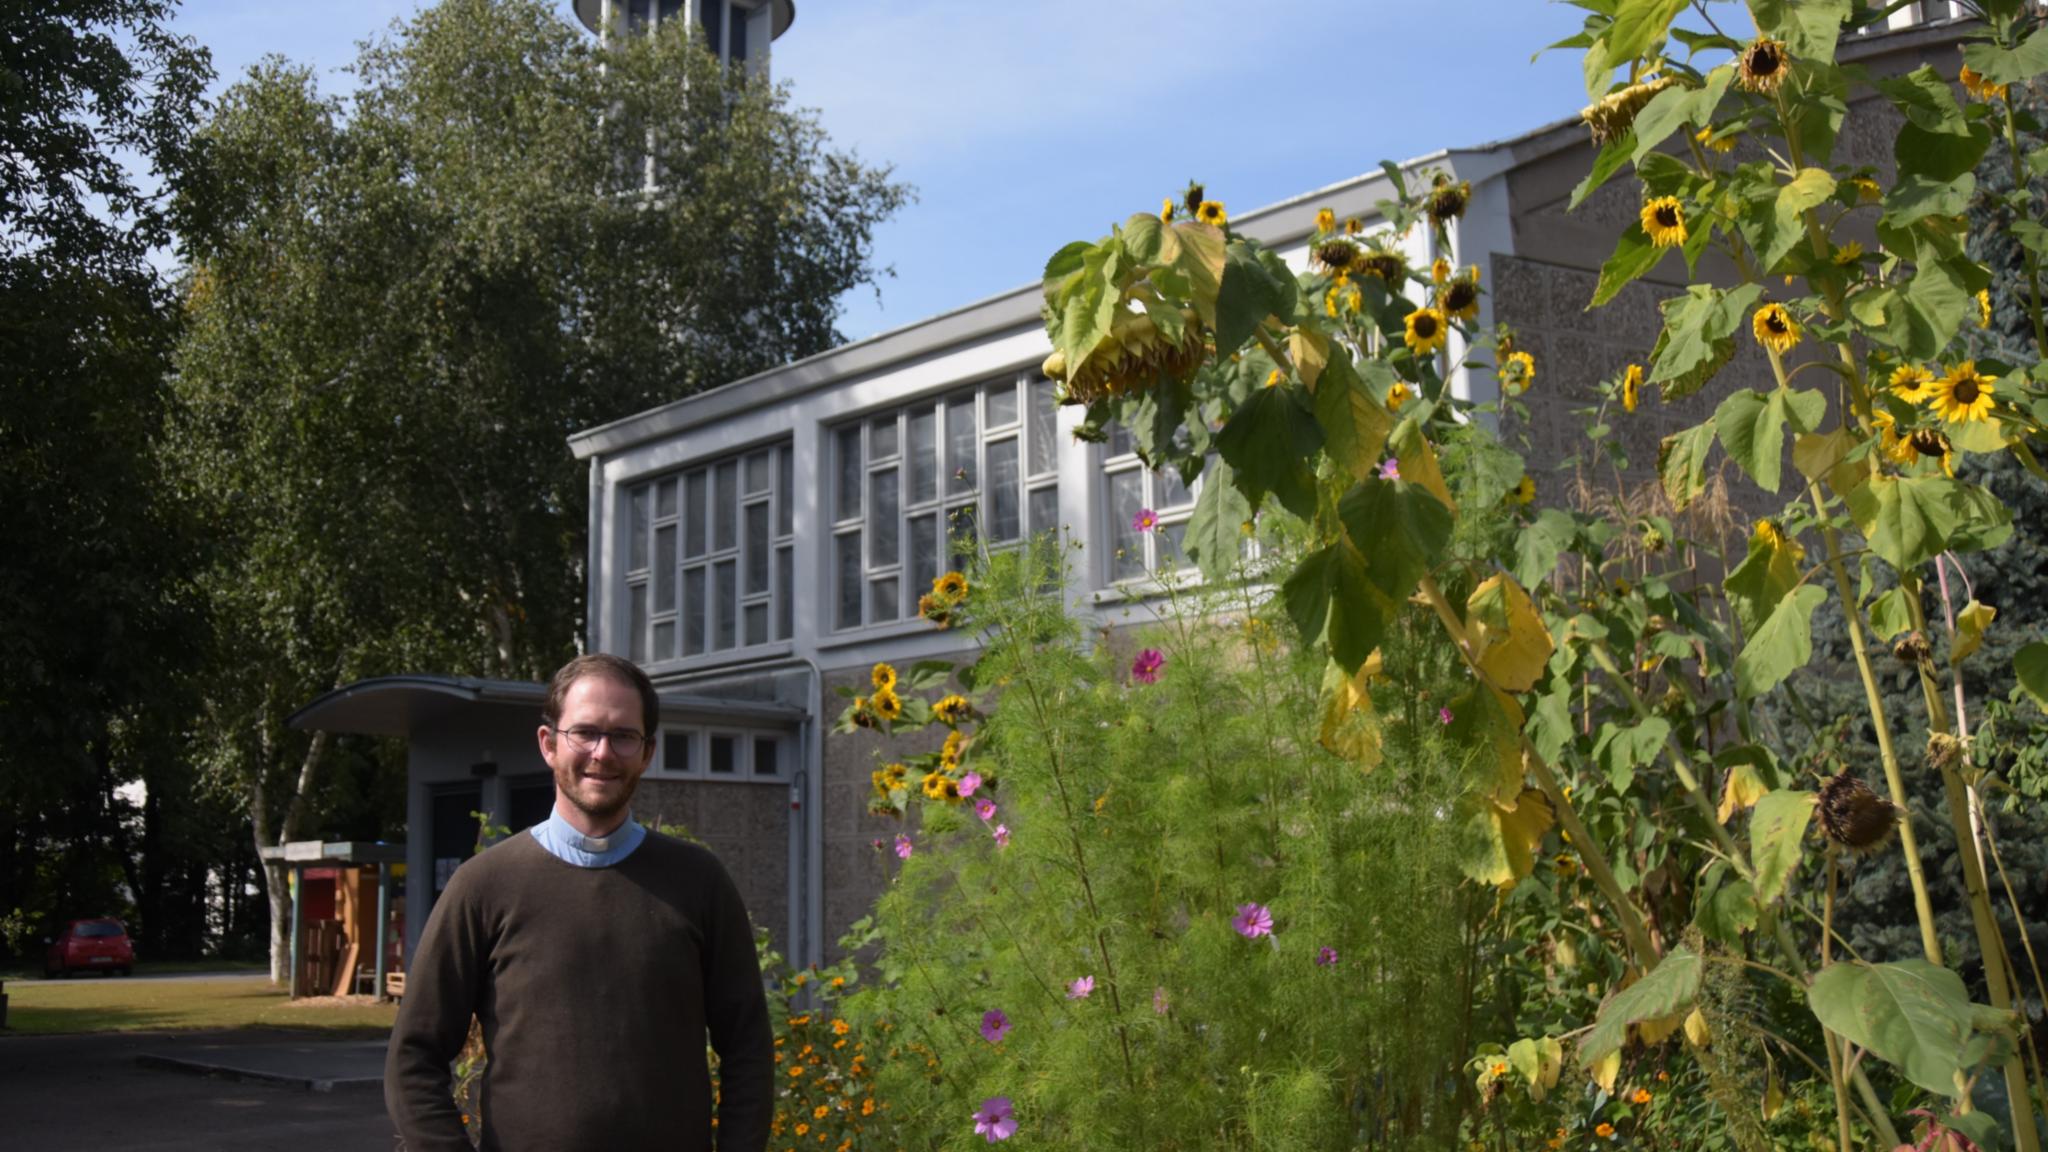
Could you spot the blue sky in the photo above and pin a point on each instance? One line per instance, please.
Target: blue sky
(1027, 123)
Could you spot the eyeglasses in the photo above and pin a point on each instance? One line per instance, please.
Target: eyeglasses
(624, 741)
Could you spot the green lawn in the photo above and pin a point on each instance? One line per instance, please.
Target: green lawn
(117, 1005)
(155, 968)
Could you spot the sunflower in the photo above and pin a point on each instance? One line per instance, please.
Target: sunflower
(1763, 65)
(1664, 222)
(938, 786)
(1211, 212)
(1964, 395)
(1166, 210)
(1984, 308)
(1769, 534)
(1397, 395)
(1631, 387)
(955, 748)
(952, 708)
(1868, 191)
(1516, 373)
(1326, 220)
(1337, 256)
(884, 676)
(1388, 266)
(1615, 113)
(951, 587)
(1775, 328)
(1344, 296)
(934, 609)
(1898, 449)
(1447, 201)
(1524, 490)
(1459, 299)
(887, 705)
(1439, 271)
(1353, 226)
(1426, 331)
(1930, 442)
(1722, 144)
(1848, 254)
(1909, 382)
(1975, 84)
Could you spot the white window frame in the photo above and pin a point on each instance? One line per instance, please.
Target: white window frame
(694, 743)
(1118, 458)
(1037, 475)
(644, 617)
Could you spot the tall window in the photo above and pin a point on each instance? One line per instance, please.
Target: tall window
(979, 463)
(1128, 489)
(709, 557)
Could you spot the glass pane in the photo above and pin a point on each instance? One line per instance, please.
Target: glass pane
(665, 499)
(1172, 542)
(726, 620)
(785, 571)
(886, 602)
(924, 552)
(882, 437)
(757, 473)
(1045, 510)
(1045, 428)
(693, 611)
(785, 493)
(636, 624)
(882, 524)
(767, 756)
(675, 750)
(960, 530)
(724, 751)
(637, 548)
(665, 640)
(1126, 547)
(695, 489)
(1119, 442)
(712, 14)
(1169, 491)
(1005, 508)
(1002, 404)
(849, 580)
(920, 464)
(846, 504)
(664, 571)
(757, 623)
(960, 442)
(725, 506)
(736, 36)
(757, 548)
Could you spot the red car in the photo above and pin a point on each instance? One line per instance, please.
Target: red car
(86, 945)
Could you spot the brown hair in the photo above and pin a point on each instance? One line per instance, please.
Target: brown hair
(614, 667)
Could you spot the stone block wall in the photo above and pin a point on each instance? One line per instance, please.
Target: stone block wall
(746, 825)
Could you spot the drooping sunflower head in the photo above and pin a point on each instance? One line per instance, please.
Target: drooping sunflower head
(1631, 387)
(1193, 198)
(1166, 210)
(1524, 491)
(1517, 371)
(1447, 200)
(1326, 220)
(1975, 84)
(1439, 271)
(1909, 382)
(1211, 212)
(952, 708)
(1459, 297)
(1762, 65)
(1849, 255)
(1614, 114)
(1426, 330)
(1337, 256)
(1770, 534)
(1398, 394)
(1896, 448)
(1353, 226)
(1854, 816)
(1721, 144)
(1933, 444)
(1964, 395)
(1664, 221)
(1775, 328)
(932, 608)
(1983, 307)
(1383, 263)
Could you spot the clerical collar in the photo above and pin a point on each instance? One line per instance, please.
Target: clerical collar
(564, 842)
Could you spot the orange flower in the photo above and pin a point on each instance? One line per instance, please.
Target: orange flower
(1642, 1096)
(1605, 1131)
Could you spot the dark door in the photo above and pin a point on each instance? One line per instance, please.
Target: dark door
(454, 831)
(530, 802)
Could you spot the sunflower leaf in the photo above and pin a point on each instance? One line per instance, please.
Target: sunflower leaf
(1634, 256)
(1725, 907)
(1348, 728)
(1500, 839)
(1763, 579)
(1689, 350)
(1777, 832)
(1915, 197)
(1889, 614)
(2030, 668)
(1751, 426)
(1682, 463)
(1405, 528)
(1249, 293)
(1782, 643)
(1907, 519)
(1664, 991)
(1971, 623)
(1216, 529)
(1809, 28)
(1639, 24)
(2016, 65)
(1615, 154)
(1510, 642)
(1540, 543)
(1912, 1014)
(1355, 424)
(1269, 441)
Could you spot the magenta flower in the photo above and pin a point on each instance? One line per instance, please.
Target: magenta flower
(994, 1025)
(1002, 835)
(1325, 956)
(904, 847)
(1145, 521)
(1159, 1000)
(1252, 921)
(995, 1121)
(1145, 669)
(969, 783)
(1444, 715)
(1390, 469)
(985, 808)
(1079, 988)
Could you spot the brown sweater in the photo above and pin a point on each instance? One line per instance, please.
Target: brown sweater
(597, 988)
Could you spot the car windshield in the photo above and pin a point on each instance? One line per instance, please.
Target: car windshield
(100, 928)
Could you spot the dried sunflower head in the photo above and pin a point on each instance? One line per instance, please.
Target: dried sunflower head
(1447, 200)
(1615, 113)
(1912, 648)
(1854, 816)
(1337, 255)
(1762, 65)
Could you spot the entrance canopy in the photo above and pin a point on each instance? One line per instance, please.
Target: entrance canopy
(401, 705)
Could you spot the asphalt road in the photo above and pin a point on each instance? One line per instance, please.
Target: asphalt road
(59, 1093)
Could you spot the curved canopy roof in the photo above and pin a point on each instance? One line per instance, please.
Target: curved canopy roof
(400, 705)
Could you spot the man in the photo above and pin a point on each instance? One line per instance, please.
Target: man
(598, 957)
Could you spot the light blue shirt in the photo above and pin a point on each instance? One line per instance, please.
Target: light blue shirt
(564, 842)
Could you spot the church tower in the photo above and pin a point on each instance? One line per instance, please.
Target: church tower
(739, 31)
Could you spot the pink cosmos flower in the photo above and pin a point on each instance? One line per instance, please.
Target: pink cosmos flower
(1145, 521)
(1145, 669)
(1390, 469)
(1159, 1000)
(985, 808)
(995, 1121)
(994, 1025)
(1252, 921)
(1079, 988)
(904, 847)
(1444, 715)
(1002, 835)
(969, 783)
(1325, 956)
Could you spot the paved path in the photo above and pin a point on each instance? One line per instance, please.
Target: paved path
(95, 1092)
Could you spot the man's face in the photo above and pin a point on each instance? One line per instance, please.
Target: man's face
(596, 780)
